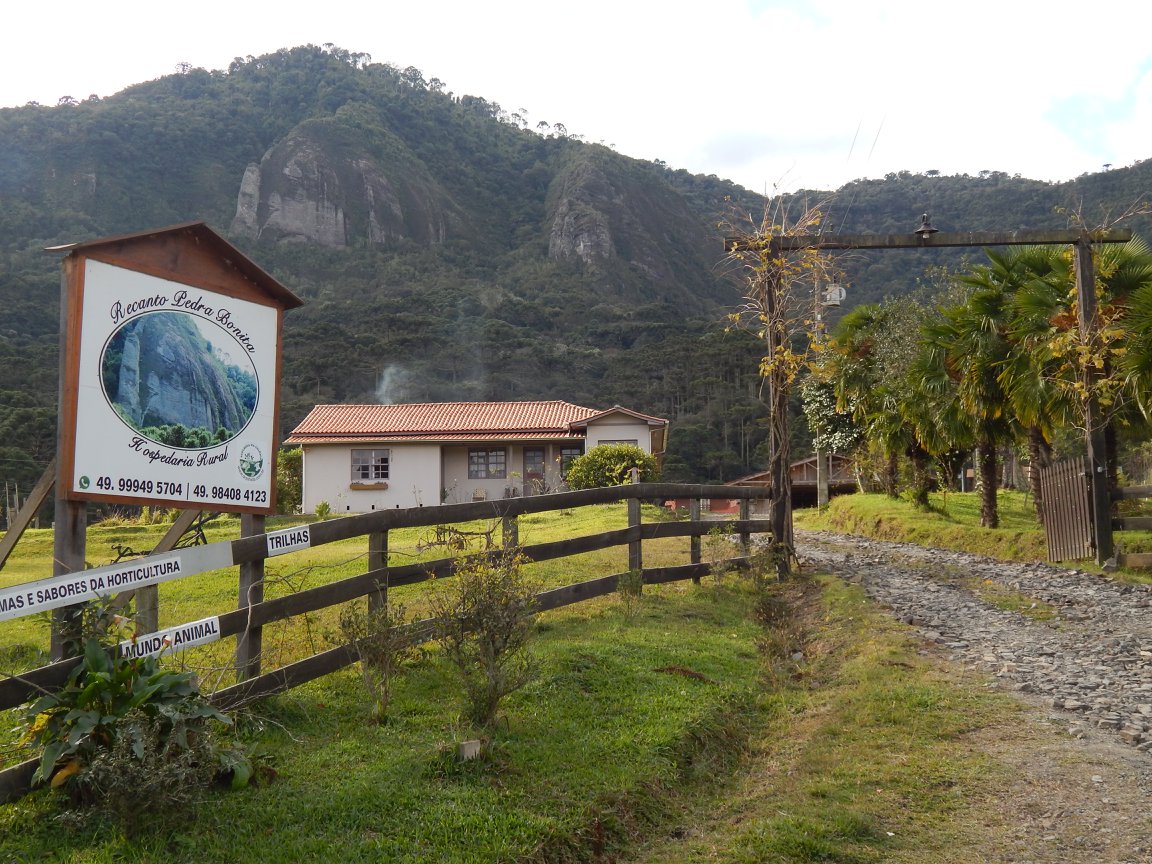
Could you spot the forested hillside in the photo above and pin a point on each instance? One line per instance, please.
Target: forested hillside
(446, 248)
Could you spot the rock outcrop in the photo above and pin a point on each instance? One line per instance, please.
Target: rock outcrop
(310, 188)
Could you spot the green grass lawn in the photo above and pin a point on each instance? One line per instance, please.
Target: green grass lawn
(690, 731)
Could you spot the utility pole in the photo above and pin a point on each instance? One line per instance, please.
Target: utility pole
(832, 296)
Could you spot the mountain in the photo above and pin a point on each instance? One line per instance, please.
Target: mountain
(446, 249)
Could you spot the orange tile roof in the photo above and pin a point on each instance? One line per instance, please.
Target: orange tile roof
(439, 421)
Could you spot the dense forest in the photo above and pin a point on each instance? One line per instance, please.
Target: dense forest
(447, 249)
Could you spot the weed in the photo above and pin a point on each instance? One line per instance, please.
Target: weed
(717, 552)
(630, 588)
(383, 647)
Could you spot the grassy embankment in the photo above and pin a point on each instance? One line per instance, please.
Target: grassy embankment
(689, 730)
(953, 522)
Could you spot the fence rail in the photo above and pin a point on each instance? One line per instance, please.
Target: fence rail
(245, 622)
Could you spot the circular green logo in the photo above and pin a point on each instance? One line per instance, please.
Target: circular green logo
(84, 481)
(251, 461)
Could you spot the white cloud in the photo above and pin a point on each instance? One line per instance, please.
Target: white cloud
(793, 92)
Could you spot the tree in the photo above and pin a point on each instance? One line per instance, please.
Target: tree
(289, 480)
(611, 465)
(871, 361)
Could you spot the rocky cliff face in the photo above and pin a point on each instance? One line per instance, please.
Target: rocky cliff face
(308, 188)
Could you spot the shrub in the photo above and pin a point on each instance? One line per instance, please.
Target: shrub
(380, 641)
(485, 620)
(611, 465)
(323, 510)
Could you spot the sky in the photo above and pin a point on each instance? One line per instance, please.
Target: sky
(776, 95)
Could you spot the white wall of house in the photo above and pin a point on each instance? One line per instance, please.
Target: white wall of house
(430, 474)
(617, 428)
(413, 478)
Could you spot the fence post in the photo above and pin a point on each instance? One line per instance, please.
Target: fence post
(510, 530)
(250, 641)
(694, 540)
(378, 560)
(635, 556)
(745, 537)
(68, 548)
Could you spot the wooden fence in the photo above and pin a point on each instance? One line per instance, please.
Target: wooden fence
(250, 552)
(1132, 523)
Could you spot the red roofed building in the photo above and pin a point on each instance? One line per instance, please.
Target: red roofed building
(370, 457)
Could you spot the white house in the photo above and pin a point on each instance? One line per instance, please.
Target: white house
(370, 457)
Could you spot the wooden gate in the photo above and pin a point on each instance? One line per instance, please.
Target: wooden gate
(1068, 510)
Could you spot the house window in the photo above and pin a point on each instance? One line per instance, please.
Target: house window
(370, 465)
(487, 463)
(567, 454)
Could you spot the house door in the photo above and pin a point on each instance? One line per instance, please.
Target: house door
(533, 470)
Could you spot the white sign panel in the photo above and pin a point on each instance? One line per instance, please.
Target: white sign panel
(176, 393)
(80, 587)
(288, 540)
(172, 639)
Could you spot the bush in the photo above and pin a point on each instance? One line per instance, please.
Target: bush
(485, 620)
(611, 465)
(289, 480)
(124, 733)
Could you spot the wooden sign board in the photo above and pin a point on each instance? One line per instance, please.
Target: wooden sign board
(170, 372)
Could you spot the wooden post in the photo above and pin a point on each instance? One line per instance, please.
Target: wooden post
(68, 547)
(694, 540)
(1093, 422)
(70, 524)
(510, 530)
(778, 437)
(745, 537)
(249, 641)
(377, 560)
(635, 555)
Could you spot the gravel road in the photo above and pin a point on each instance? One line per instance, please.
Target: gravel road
(1076, 646)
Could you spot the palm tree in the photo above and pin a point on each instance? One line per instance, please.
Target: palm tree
(871, 358)
(968, 347)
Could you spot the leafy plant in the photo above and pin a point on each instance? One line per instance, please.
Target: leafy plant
(124, 731)
(485, 620)
(323, 510)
